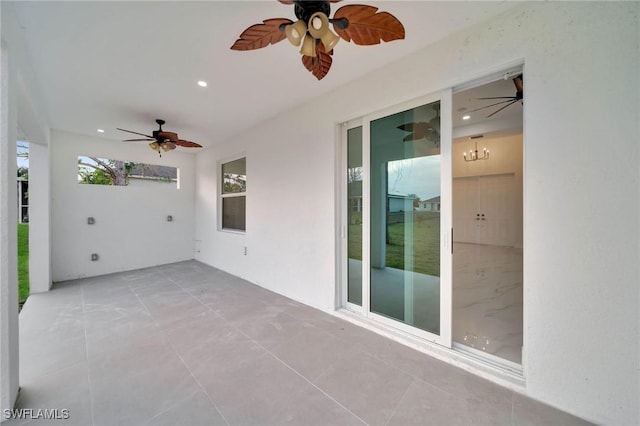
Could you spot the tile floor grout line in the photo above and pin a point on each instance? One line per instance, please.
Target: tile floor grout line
(410, 375)
(301, 375)
(184, 362)
(86, 348)
(366, 352)
(393, 413)
(278, 359)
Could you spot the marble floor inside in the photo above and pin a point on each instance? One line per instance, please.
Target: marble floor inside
(187, 344)
(487, 299)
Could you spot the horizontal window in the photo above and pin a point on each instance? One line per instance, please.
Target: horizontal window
(104, 171)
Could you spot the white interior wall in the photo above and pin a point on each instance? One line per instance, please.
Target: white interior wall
(581, 249)
(505, 157)
(131, 229)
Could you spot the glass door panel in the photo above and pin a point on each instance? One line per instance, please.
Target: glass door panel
(354, 215)
(487, 284)
(405, 224)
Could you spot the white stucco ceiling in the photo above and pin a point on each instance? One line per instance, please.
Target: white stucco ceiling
(124, 64)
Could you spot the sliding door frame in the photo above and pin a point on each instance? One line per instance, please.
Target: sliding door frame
(445, 99)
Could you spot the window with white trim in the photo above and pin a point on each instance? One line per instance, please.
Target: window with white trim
(233, 194)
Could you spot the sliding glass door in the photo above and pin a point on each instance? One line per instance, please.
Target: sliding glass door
(398, 217)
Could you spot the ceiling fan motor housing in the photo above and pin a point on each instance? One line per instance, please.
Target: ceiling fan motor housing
(304, 9)
(155, 132)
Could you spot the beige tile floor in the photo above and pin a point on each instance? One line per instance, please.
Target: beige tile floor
(187, 344)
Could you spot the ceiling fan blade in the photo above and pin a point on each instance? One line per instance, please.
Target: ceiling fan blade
(367, 26)
(495, 112)
(137, 140)
(262, 35)
(517, 81)
(497, 103)
(496, 97)
(187, 144)
(321, 64)
(135, 133)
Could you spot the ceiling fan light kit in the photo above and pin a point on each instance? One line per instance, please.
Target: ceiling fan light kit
(362, 24)
(308, 47)
(295, 32)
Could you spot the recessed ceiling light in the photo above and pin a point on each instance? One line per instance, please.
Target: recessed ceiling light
(202, 83)
(466, 117)
(100, 131)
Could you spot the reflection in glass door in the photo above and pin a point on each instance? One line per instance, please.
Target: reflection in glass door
(405, 224)
(354, 215)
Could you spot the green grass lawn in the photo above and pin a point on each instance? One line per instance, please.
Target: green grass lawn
(426, 243)
(23, 262)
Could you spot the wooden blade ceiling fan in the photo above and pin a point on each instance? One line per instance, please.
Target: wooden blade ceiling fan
(508, 100)
(161, 140)
(362, 24)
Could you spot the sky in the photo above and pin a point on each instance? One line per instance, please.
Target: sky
(22, 147)
(420, 176)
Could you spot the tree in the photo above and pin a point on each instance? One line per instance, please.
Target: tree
(104, 172)
(23, 172)
(234, 183)
(354, 174)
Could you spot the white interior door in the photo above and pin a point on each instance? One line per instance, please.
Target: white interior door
(486, 208)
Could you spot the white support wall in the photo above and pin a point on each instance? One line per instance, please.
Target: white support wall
(33, 125)
(39, 218)
(131, 230)
(581, 177)
(8, 235)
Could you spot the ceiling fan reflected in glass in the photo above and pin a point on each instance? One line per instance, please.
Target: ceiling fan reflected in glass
(358, 23)
(507, 100)
(161, 140)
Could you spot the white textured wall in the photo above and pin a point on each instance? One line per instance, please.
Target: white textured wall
(9, 362)
(39, 218)
(32, 123)
(581, 242)
(131, 230)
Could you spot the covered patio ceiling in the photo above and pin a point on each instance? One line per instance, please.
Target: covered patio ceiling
(123, 64)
